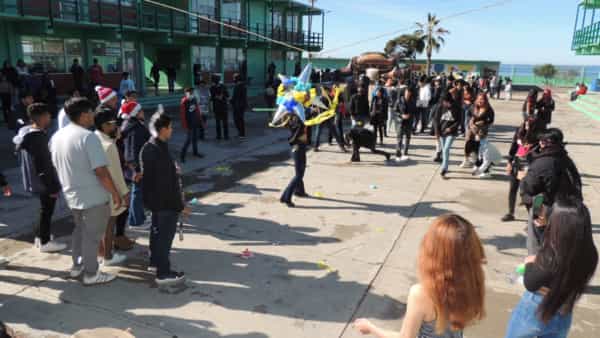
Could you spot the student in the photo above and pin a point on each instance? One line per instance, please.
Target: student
(360, 137)
(126, 84)
(440, 306)
(359, 105)
(422, 115)
(329, 123)
(449, 124)
(508, 89)
(202, 94)
(482, 119)
(6, 95)
(63, 118)
(298, 140)
(77, 72)
(545, 106)
(81, 164)
(530, 103)
(239, 102)
(405, 109)
(163, 196)
(21, 117)
(219, 97)
(39, 175)
(107, 131)
(558, 275)
(96, 74)
(155, 75)
(379, 110)
(171, 77)
(191, 121)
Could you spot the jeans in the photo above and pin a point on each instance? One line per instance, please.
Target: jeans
(525, 321)
(90, 225)
(222, 123)
(136, 206)
(535, 234)
(296, 185)
(466, 117)
(192, 137)
(171, 83)
(446, 146)
(512, 194)
(484, 155)
(332, 132)
(42, 230)
(404, 132)
(379, 129)
(164, 226)
(238, 119)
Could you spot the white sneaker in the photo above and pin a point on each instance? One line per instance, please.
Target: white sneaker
(53, 246)
(37, 242)
(76, 271)
(485, 175)
(397, 159)
(116, 259)
(475, 170)
(99, 278)
(404, 158)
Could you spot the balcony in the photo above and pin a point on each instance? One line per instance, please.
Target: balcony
(586, 35)
(310, 41)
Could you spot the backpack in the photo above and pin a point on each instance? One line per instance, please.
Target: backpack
(31, 179)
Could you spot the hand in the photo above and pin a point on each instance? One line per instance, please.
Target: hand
(448, 130)
(7, 191)
(529, 259)
(138, 177)
(126, 199)
(117, 201)
(186, 211)
(508, 169)
(364, 326)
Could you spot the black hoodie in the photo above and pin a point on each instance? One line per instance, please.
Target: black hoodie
(160, 182)
(39, 174)
(135, 135)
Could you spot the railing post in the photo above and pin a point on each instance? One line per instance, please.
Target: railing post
(21, 7)
(100, 12)
(172, 19)
(120, 7)
(77, 18)
(155, 17)
(50, 13)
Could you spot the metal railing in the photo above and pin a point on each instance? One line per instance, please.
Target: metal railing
(588, 36)
(145, 16)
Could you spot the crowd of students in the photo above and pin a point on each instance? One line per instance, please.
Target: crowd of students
(109, 176)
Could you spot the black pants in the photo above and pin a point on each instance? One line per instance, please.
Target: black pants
(47, 205)
(164, 226)
(222, 123)
(403, 134)
(332, 133)
(339, 124)
(121, 223)
(6, 100)
(423, 117)
(192, 137)
(296, 185)
(512, 194)
(238, 119)
(379, 129)
(356, 152)
(171, 85)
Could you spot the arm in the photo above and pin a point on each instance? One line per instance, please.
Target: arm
(99, 164)
(536, 277)
(43, 163)
(103, 176)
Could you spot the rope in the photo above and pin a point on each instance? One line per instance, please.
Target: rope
(377, 37)
(223, 24)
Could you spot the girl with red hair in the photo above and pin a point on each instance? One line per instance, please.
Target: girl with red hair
(451, 290)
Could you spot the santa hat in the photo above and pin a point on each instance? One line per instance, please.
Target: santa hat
(105, 94)
(129, 109)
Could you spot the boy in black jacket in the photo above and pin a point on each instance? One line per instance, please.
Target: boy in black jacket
(162, 195)
(39, 175)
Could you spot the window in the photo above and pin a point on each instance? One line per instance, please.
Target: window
(232, 9)
(206, 57)
(49, 54)
(108, 55)
(277, 20)
(204, 7)
(232, 57)
(292, 23)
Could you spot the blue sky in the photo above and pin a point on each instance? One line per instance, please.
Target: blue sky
(522, 31)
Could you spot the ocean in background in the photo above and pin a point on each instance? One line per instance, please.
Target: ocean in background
(567, 75)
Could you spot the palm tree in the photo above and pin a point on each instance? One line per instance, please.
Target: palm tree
(405, 46)
(434, 37)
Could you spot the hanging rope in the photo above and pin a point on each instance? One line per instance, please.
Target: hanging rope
(377, 37)
(226, 25)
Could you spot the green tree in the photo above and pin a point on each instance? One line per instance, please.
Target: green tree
(405, 46)
(434, 36)
(547, 71)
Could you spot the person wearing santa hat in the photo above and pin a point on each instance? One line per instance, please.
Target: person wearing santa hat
(134, 135)
(107, 97)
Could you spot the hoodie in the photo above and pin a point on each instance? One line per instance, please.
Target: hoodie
(39, 174)
(134, 135)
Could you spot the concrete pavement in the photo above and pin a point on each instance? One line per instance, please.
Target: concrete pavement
(350, 253)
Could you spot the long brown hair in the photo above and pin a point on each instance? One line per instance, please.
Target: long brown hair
(451, 272)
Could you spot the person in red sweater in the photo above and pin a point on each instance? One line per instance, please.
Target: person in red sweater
(192, 120)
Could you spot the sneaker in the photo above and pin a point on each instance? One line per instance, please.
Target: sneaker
(443, 174)
(508, 218)
(53, 246)
(37, 243)
(404, 158)
(151, 268)
(116, 259)
(99, 278)
(485, 175)
(465, 164)
(76, 271)
(475, 171)
(170, 279)
(145, 226)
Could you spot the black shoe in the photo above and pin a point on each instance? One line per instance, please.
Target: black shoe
(303, 195)
(438, 158)
(443, 174)
(199, 155)
(171, 278)
(387, 157)
(182, 159)
(508, 218)
(289, 204)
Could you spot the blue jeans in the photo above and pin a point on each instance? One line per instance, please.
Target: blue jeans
(446, 146)
(525, 321)
(192, 137)
(136, 206)
(484, 154)
(164, 226)
(296, 185)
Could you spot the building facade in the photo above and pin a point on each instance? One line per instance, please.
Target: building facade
(586, 34)
(132, 35)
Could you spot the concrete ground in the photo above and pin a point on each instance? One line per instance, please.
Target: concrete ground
(350, 252)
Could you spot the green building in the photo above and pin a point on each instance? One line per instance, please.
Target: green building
(130, 35)
(586, 35)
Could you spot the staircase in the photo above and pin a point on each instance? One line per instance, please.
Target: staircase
(588, 104)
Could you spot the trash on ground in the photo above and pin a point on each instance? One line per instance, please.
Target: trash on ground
(246, 254)
(373, 187)
(318, 194)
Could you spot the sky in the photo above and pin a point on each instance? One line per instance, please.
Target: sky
(521, 31)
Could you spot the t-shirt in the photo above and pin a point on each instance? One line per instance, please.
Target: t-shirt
(63, 119)
(76, 153)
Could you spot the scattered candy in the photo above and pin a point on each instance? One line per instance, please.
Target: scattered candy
(379, 229)
(246, 254)
(520, 270)
(7, 191)
(324, 266)
(318, 194)
(195, 201)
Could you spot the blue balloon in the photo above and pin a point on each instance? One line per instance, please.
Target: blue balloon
(290, 105)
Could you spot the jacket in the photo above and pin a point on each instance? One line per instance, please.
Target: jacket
(189, 112)
(39, 174)
(551, 172)
(160, 180)
(424, 96)
(134, 135)
(450, 120)
(545, 109)
(480, 123)
(379, 110)
(298, 134)
(239, 99)
(359, 106)
(219, 97)
(114, 168)
(406, 107)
